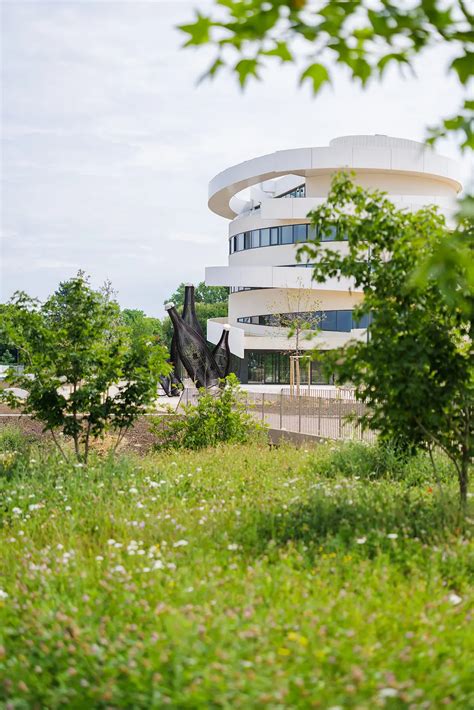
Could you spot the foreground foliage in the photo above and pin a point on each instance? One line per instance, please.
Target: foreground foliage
(415, 369)
(233, 577)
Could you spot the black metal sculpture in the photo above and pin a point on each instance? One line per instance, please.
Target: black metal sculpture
(189, 310)
(193, 351)
(222, 352)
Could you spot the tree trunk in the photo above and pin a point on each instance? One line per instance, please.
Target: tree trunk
(464, 479)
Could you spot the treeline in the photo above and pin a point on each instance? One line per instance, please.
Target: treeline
(211, 302)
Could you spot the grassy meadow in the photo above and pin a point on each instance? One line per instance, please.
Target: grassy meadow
(239, 577)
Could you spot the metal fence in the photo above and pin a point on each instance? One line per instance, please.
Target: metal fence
(347, 393)
(326, 417)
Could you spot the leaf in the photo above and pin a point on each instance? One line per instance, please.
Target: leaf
(212, 71)
(246, 68)
(398, 57)
(317, 74)
(464, 66)
(198, 31)
(280, 50)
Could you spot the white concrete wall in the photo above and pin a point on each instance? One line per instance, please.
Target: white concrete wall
(412, 175)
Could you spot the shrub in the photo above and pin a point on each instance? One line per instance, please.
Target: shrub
(216, 418)
(383, 460)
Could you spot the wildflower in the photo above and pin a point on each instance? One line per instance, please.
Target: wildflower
(3, 595)
(119, 569)
(158, 564)
(68, 508)
(99, 558)
(111, 541)
(181, 543)
(133, 490)
(361, 540)
(233, 546)
(392, 536)
(454, 599)
(16, 511)
(388, 693)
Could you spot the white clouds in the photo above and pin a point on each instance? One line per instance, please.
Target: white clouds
(109, 145)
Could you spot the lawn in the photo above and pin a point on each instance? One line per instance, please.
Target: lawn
(238, 577)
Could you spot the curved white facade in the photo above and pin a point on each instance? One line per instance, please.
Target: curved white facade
(265, 227)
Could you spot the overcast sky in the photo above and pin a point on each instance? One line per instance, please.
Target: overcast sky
(109, 145)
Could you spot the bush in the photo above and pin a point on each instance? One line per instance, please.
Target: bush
(384, 460)
(216, 418)
(14, 450)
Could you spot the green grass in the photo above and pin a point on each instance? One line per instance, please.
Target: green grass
(239, 577)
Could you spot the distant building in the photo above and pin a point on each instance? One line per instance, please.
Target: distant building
(265, 281)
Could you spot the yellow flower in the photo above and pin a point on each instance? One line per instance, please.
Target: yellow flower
(284, 651)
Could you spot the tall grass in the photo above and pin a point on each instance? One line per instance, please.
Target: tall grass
(240, 576)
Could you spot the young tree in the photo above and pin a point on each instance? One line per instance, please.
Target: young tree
(300, 322)
(82, 375)
(416, 369)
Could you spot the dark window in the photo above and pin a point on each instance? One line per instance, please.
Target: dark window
(255, 238)
(329, 320)
(247, 240)
(274, 236)
(312, 232)
(287, 235)
(264, 237)
(344, 321)
(300, 232)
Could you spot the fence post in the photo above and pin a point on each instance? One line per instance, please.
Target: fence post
(299, 414)
(281, 410)
(263, 406)
(319, 415)
(340, 417)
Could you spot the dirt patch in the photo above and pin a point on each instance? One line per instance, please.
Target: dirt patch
(139, 439)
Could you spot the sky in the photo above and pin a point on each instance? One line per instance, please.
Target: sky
(108, 143)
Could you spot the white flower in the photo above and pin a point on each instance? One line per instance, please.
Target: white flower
(133, 490)
(34, 506)
(3, 595)
(233, 546)
(68, 508)
(158, 564)
(99, 558)
(16, 511)
(111, 541)
(119, 568)
(454, 599)
(361, 540)
(388, 693)
(392, 536)
(181, 543)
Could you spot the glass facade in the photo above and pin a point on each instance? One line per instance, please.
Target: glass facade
(286, 234)
(273, 368)
(341, 321)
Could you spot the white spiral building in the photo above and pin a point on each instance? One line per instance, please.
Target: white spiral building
(265, 281)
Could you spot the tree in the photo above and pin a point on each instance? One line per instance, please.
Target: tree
(139, 326)
(82, 375)
(416, 370)
(301, 321)
(363, 36)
